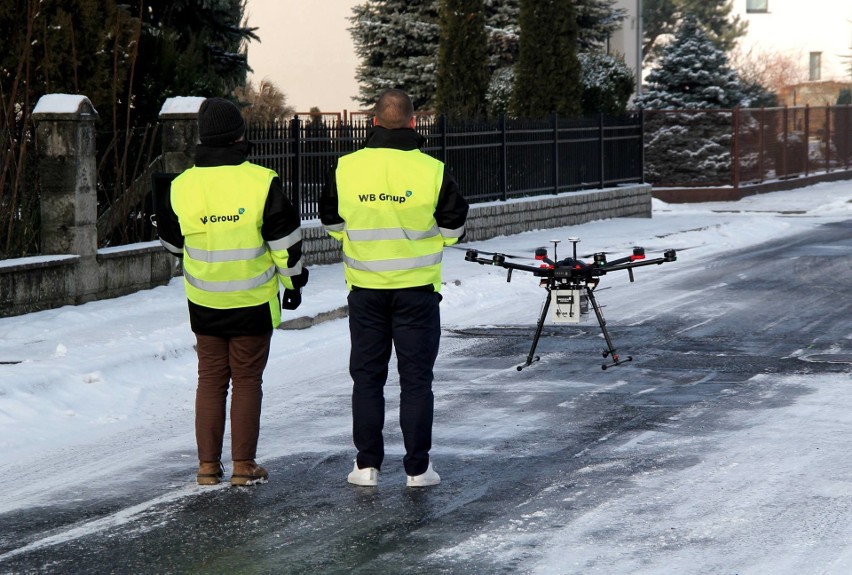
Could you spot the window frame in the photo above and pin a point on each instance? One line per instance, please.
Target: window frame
(815, 66)
(757, 6)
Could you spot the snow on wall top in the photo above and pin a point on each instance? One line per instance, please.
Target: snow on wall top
(181, 105)
(62, 104)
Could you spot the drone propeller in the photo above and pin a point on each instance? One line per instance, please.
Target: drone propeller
(593, 255)
(490, 253)
(647, 251)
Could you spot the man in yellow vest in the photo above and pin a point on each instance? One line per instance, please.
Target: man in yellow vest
(238, 236)
(394, 209)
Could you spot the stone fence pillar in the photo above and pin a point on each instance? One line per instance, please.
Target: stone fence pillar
(65, 135)
(179, 128)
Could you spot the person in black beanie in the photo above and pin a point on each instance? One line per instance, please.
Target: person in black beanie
(239, 237)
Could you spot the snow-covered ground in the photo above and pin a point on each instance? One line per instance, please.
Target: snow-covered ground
(113, 381)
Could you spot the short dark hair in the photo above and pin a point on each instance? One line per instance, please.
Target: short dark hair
(394, 109)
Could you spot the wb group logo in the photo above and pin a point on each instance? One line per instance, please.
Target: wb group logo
(215, 219)
(385, 197)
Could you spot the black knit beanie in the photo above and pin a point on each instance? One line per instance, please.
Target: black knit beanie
(219, 122)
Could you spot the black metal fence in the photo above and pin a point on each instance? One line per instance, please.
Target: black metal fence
(498, 160)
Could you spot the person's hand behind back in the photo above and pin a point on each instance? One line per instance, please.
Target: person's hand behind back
(292, 299)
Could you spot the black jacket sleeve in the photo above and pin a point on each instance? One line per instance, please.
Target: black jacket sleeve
(168, 227)
(328, 203)
(451, 211)
(281, 229)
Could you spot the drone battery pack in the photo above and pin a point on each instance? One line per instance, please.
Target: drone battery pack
(569, 306)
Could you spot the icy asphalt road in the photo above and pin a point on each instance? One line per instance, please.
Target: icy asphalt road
(719, 449)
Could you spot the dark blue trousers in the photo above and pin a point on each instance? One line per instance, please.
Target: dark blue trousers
(410, 322)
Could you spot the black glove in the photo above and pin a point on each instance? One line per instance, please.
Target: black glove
(292, 299)
(301, 280)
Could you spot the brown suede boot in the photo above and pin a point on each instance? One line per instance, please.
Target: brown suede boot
(209, 472)
(248, 473)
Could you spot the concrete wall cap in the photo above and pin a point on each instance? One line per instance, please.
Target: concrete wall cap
(181, 107)
(62, 105)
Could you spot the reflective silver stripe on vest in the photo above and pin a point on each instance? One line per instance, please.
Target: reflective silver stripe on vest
(286, 242)
(219, 256)
(334, 227)
(394, 265)
(456, 233)
(291, 271)
(233, 285)
(172, 248)
(391, 234)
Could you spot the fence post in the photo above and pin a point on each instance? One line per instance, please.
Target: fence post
(762, 143)
(601, 146)
(828, 139)
(504, 159)
(807, 137)
(442, 131)
(67, 167)
(846, 128)
(735, 148)
(642, 146)
(296, 169)
(786, 140)
(555, 153)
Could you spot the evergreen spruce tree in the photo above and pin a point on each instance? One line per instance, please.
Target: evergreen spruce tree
(501, 26)
(547, 75)
(661, 18)
(597, 20)
(693, 74)
(397, 42)
(717, 18)
(462, 78)
(607, 84)
(193, 47)
(498, 98)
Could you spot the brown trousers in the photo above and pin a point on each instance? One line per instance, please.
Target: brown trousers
(240, 360)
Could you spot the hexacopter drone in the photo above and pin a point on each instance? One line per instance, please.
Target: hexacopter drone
(571, 282)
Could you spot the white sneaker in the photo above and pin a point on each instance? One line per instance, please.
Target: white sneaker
(425, 479)
(368, 477)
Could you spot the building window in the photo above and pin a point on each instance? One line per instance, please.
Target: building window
(815, 67)
(757, 6)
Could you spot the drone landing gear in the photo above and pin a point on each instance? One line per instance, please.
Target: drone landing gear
(608, 352)
(539, 326)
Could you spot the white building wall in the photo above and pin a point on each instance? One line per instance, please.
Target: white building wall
(627, 41)
(798, 27)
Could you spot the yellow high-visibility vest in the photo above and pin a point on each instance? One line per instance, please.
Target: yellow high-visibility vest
(387, 199)
(226, 262)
